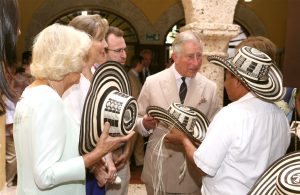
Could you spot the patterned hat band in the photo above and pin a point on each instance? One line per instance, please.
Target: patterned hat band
(108, 99)
(187, 119)
(282, 177)
(256, 70)
(120, 110)
(251, 67)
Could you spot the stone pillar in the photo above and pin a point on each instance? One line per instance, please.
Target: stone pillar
(2, 152)
(212, 20)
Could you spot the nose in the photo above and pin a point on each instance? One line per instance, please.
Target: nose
(196, 60)
(105, 45)
(123, 53)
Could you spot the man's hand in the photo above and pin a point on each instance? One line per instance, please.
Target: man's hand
(149, 122)
(175, 136)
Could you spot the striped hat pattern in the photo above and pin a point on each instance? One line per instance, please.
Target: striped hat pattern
(256, 70)
(185, 118)
(108, 99)
(282, 177)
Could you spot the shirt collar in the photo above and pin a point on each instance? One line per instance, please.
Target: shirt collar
(177, 75)
(247, 96)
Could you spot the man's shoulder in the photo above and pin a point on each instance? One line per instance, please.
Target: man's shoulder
(160, 75)
(204, 80)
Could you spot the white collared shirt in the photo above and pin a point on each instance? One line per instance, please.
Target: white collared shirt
(178, 77)
(144, 132)
(244, 138)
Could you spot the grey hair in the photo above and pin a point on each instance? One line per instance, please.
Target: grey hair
(183, 37)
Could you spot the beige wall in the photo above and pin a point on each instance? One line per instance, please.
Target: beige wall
(271, 13)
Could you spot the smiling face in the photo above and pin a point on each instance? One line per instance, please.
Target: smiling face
(97, 54)
(189, 59)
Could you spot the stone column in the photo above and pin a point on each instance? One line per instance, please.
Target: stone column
(2, 152)
(212, 20)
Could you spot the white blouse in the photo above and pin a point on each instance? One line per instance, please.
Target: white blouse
(46, 140)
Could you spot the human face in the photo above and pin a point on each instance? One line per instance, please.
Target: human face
(230, 85)
(147, 59)
(189, 59)
(97, 54)
(116, 49)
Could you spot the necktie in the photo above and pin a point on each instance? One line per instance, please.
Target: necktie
(182, 90)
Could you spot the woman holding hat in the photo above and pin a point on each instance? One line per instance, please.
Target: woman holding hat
(246, 136)
(74, 97)
(46, 135)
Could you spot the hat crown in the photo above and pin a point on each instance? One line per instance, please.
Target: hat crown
(252, 63)
(184, 115)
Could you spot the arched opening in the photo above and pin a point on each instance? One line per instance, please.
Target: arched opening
(130, 34)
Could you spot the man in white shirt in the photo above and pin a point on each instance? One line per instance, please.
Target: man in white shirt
(246, 136)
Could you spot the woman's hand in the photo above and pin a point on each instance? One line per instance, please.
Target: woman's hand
(111, 168)
(107, 143)
(104, 145)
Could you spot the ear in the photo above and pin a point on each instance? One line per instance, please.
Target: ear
(174, 56)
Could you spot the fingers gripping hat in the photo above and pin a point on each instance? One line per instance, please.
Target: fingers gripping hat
(108, 99)
(282, 177)
(187, 119)
(256, 70)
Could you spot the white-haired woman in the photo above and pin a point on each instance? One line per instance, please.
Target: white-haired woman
(46, 136)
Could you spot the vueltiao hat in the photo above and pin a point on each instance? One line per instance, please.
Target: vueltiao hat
(282, 177)
(256, 70)
(108, 99)
(185, 118)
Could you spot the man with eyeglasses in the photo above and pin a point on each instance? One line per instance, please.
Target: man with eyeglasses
(116, 51)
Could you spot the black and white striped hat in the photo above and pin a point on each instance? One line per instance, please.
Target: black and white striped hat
(282, 177)
(108, 99)
(256, 70)
(185, 118)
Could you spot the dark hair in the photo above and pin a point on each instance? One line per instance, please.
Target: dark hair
(135, 60)
(9, 28)
(115, 31)
(26, 57)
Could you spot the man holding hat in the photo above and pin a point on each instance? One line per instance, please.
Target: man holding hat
(181, 83)
(246, 136)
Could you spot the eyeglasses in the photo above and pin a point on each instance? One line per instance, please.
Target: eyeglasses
(121, 50)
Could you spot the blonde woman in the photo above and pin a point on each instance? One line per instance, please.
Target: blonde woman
(46, 136)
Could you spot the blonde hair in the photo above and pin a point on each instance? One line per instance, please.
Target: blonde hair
(57, 51)
(94, 25)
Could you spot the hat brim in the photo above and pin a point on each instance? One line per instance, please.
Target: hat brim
(199, 131)
(281, 171)
(271, 90)
(108, 77)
